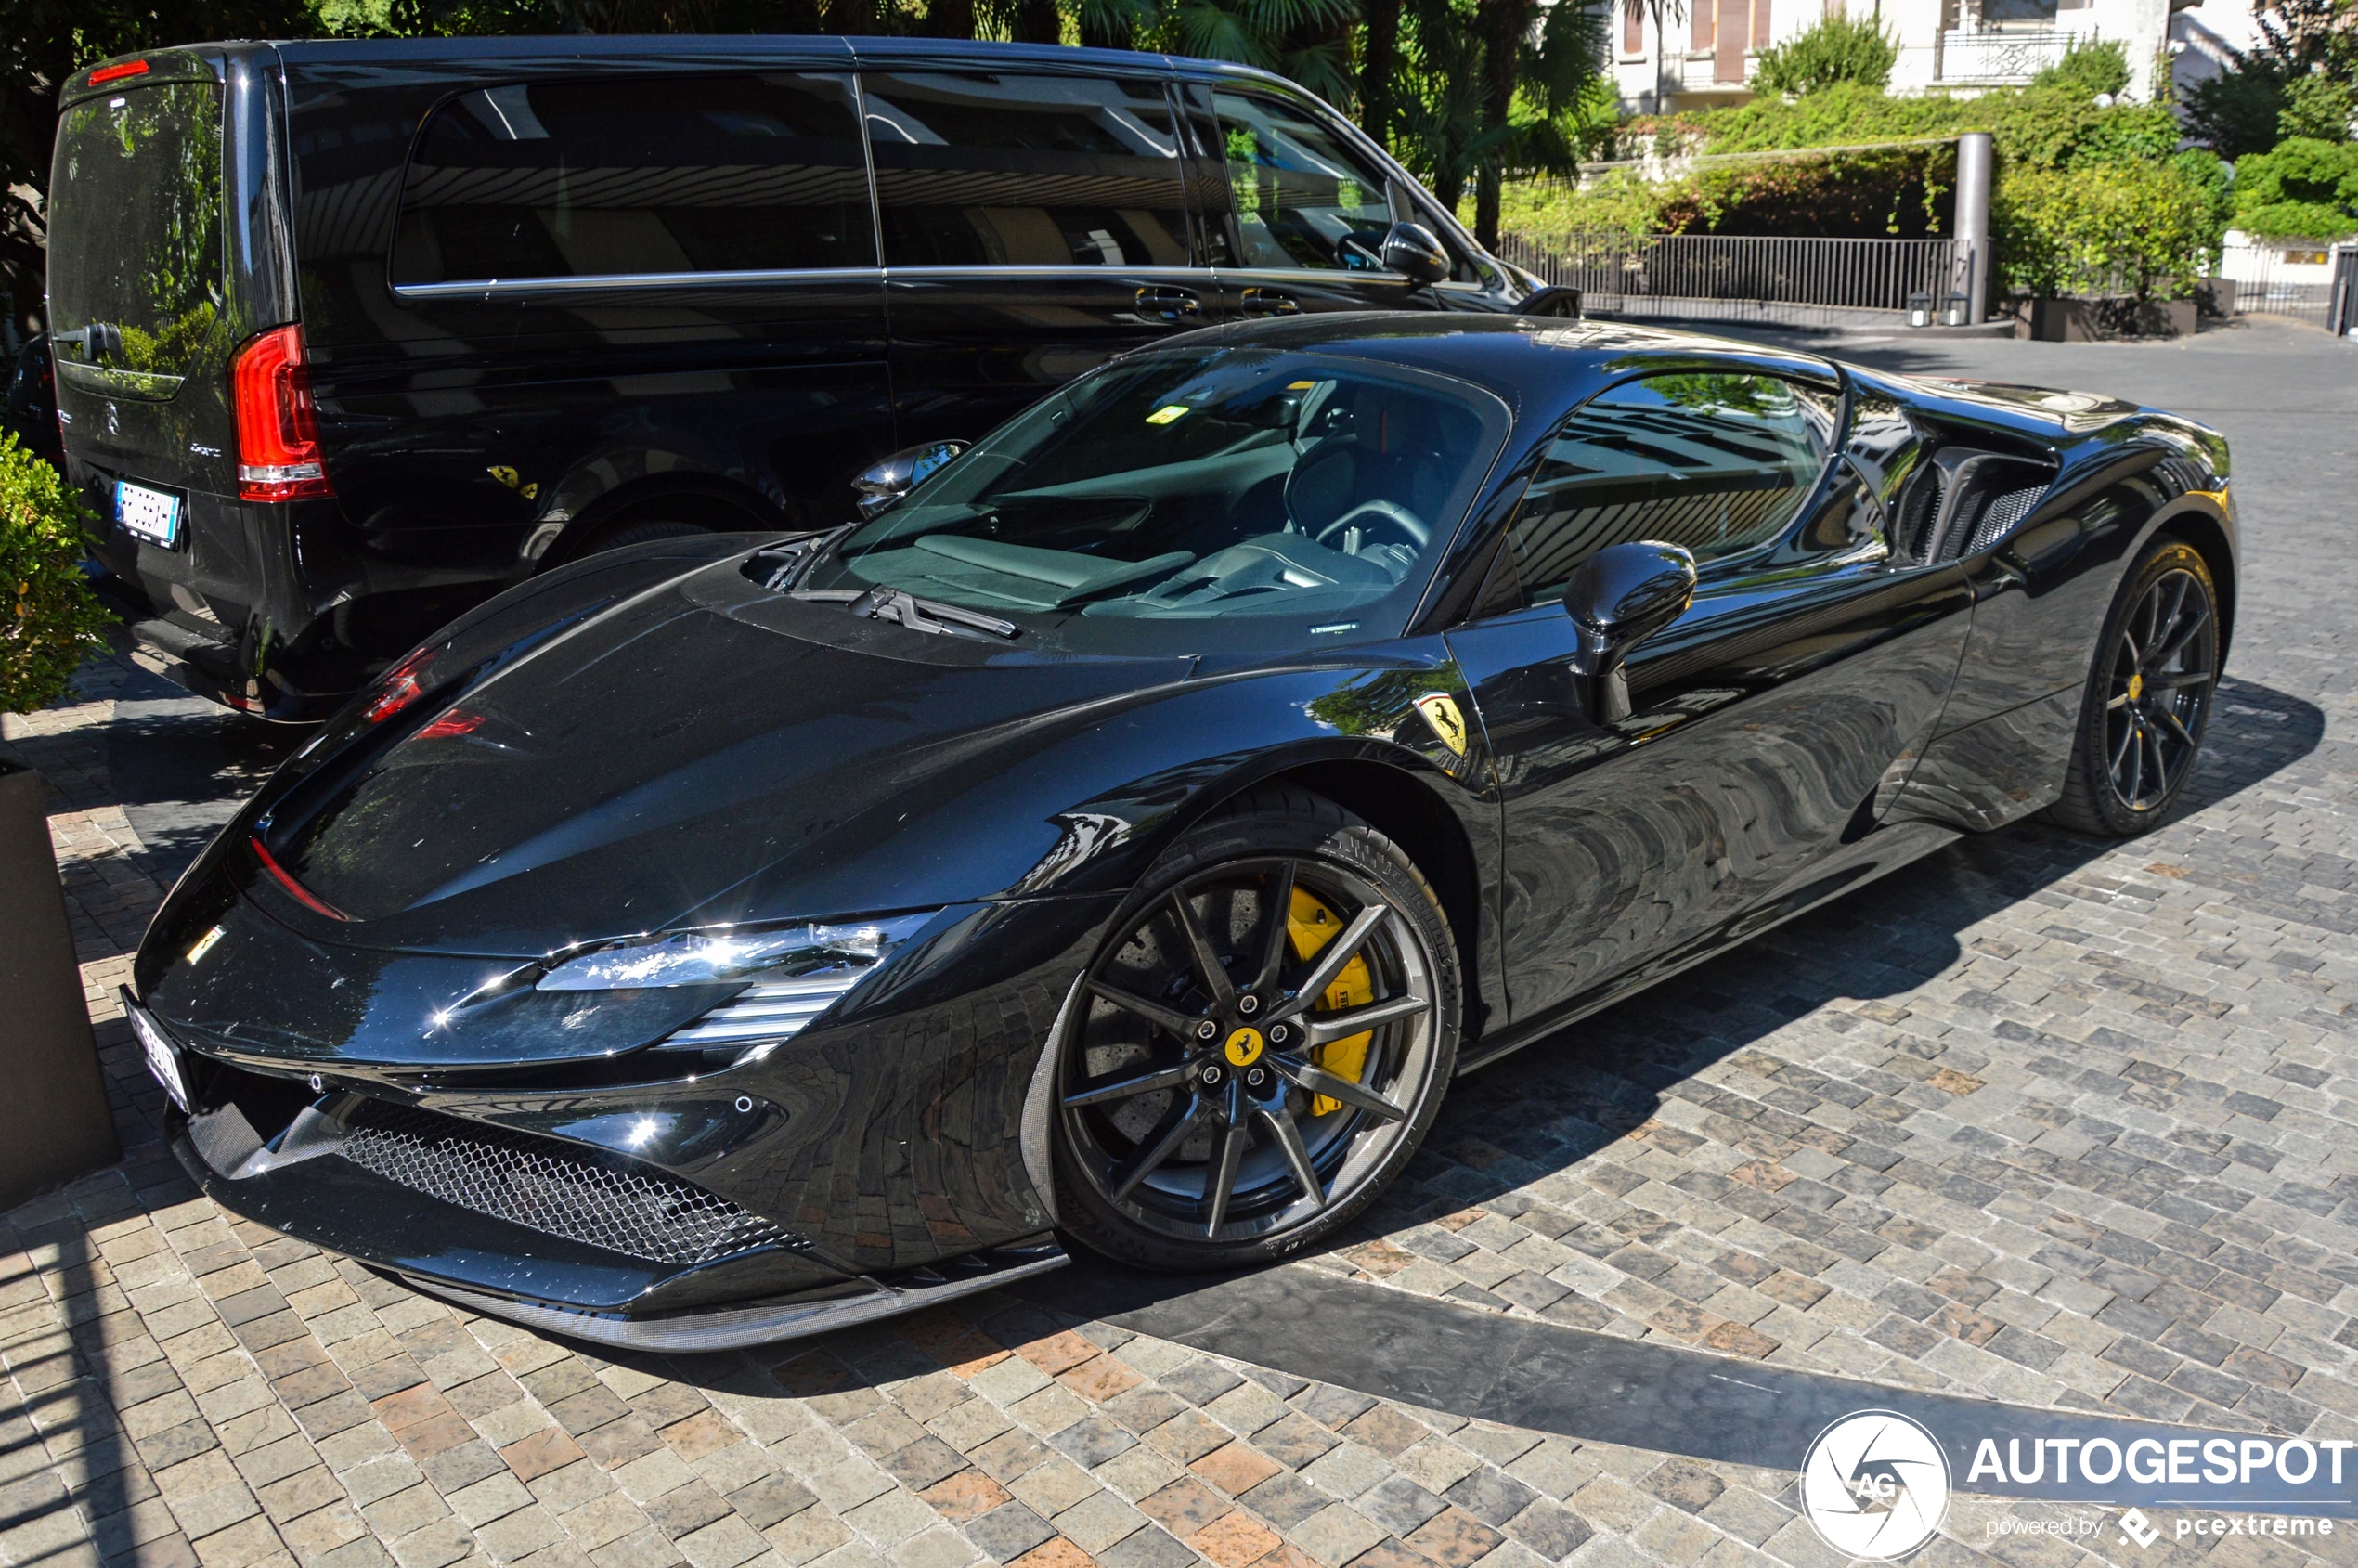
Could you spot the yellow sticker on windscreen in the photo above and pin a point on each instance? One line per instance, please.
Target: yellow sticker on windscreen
(1167, 413)
(1299, 386)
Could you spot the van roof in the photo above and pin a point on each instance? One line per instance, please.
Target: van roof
(717, 50)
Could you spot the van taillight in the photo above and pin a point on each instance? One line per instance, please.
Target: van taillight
(277, 434)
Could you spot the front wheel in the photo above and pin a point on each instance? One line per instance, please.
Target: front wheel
(1260, 1044)
(2149, 698)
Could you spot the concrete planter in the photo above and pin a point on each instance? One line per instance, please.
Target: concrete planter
(2102, 319)
(54, 1121)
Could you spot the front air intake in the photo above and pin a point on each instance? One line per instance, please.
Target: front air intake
(557, 1188)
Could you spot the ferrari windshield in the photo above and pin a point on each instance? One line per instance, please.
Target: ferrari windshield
(1166, 501)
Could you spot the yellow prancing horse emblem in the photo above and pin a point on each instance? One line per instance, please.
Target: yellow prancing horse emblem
(1243, 1048)
(1441, 711)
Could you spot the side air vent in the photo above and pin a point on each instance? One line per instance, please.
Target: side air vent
(1965, 500)
(771, 1012)
(2001, 516)
(554, 1188)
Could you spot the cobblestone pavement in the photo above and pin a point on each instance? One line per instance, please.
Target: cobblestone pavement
(2042, 1120)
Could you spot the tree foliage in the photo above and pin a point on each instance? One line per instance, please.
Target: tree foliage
(1837, 49)
(2300, 82)
(49, 618)
(41, 42)
(2319, 109)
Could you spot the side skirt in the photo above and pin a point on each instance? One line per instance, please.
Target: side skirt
(1880, 852)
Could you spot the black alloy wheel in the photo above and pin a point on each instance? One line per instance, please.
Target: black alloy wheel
(2149, 698)
(1260, 1044)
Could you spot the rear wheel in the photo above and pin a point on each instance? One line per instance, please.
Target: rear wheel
(1260, 1043)
(2148, 699)
(620, 535)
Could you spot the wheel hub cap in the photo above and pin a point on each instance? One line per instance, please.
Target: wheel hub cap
(1243, 1047)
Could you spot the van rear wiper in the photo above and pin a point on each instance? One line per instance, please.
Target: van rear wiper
(885, 603)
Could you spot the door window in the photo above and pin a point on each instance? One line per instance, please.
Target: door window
(975, 168)
(1718, 463)
(1303, 198)
(678, 175)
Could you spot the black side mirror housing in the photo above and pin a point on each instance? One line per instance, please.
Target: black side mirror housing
(1619, 597)
(882, 485)
(1411, 249)
(1554, 301)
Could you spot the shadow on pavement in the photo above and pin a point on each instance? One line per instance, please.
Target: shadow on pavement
(182, 766)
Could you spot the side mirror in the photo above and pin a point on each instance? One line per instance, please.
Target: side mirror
(1410, 248)
(1619, 597)
(1554, 300)
(882, 487)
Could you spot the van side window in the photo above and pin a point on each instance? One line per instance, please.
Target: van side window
(1304, 198)
(675, 174)
(982, 169)
(1718, 463)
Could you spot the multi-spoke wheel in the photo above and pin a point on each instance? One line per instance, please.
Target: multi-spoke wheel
(1260, 1043)
(2149, 698)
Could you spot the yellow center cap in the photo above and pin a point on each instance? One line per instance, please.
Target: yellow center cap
(1243, 1048)
(2136, 687)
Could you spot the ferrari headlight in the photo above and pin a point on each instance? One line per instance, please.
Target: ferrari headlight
(779, 953)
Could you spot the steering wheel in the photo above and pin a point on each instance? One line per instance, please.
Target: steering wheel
(1386, 521)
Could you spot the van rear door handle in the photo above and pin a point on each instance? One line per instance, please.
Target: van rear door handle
(1171, 305)
(1269, 301)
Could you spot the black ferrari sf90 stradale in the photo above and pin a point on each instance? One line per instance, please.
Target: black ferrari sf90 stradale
(1128, 829)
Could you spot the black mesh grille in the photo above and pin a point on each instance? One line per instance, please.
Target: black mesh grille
(554, 1187)
(2002, 514)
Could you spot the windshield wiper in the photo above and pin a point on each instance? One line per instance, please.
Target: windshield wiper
(931, 616)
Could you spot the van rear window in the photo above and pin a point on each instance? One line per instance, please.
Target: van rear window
(621, 178)
(135, 232)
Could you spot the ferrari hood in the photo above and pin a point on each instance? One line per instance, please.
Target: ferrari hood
(703, 752)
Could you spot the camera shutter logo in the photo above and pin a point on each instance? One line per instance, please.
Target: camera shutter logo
(1875, 1485)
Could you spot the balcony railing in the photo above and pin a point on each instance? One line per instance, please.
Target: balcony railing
(2000, 59)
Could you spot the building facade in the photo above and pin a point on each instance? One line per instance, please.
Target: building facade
(1671, 57)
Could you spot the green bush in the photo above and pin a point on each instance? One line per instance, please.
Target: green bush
(2087, 69)
(1837, 50)
(2305, 190)
(51, 620)
(2139, 228)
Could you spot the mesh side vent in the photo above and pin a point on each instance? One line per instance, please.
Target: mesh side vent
(1919, 511)
(2003, 513)
(550, 1187)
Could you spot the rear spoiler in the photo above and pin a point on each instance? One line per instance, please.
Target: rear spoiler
(138, 71)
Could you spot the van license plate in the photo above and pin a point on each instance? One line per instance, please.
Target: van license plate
(152, 515)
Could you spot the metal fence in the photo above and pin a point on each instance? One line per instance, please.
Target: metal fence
(2268, 284)
(1741, 278)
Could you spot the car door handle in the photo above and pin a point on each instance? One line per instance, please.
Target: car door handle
(1268, 301)
(1172, 305)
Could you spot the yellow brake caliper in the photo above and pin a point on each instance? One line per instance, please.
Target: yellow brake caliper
(1311, 925)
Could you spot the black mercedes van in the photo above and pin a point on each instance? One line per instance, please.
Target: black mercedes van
(352, 335)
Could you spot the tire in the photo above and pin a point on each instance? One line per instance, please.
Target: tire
(2148, 699)
(621, 535)
(1186, 1138)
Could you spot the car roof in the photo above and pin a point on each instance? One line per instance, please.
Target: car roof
(1529, 361)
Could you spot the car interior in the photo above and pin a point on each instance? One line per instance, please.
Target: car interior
(1295, 492)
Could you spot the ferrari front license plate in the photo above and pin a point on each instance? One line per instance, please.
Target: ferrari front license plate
(164, 1056)
(152, 515)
